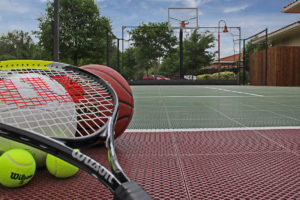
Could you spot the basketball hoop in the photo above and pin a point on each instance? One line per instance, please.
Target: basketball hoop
(183, 24)
(183, 18)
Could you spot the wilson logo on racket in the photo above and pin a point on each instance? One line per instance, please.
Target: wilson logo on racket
(26, 90)
(92, 164)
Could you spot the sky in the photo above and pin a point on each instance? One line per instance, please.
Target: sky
(251, 15)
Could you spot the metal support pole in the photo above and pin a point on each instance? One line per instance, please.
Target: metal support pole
(239, 64)
(123, 28)
(219, 62)
(107, 48)
(181, 54)
(266, 60)
(118, 55)
(244, 62)
(56, 31)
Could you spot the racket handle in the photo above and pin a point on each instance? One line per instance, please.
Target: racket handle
(131, 191)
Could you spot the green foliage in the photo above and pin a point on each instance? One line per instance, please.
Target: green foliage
(241, 76)
(195, 55)
(7, 57)
(227, 76)
(143, 59)
(82, 32)
(223, 76)
(153, 41)
(129, 67)
(252, 48)
(18, 45)
(195, 52)
(170, 64)
(214, 76)
(204, 77)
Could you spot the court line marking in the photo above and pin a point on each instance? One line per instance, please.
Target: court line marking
(215, 129)
(290, 96)
(174, 141)
(233, 91)
(274, 113)
(147, 97)
(166, 111)
(255, 131)
(286, 105)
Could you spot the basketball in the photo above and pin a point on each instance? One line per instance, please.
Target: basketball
(122, 88)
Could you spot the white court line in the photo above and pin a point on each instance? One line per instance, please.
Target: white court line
(165, 108)
(215, 129)
(233, 91)
(291, 96)
(274, 113)
(146, 97)
(255, 131)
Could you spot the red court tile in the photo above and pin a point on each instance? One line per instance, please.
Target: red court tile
(260, 164)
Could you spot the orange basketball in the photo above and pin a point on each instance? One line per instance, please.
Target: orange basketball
(122, 88)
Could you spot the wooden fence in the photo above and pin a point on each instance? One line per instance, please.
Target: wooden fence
(283, 67)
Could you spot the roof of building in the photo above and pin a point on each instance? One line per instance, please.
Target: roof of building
(293, 7)
(227, 61)
(278, 33)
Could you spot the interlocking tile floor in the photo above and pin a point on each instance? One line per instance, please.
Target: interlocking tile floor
(262, 164)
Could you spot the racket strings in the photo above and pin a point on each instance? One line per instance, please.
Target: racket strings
(56, 103)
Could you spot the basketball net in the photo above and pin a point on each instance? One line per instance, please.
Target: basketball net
(183, 24)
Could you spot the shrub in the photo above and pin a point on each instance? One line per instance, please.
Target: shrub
(204, 77)
(227, 76)
(223, 76)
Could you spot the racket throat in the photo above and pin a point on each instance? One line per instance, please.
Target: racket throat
(94, 165)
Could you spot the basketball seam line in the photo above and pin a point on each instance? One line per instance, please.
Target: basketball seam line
(126, 103)
(123, 117)
(114, 79)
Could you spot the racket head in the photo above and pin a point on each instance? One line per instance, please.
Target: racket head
(93, 98)
(82, 105)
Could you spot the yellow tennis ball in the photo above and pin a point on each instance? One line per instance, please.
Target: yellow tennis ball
(60, 168)
(38, 155)
(4, 144)
(17, 167)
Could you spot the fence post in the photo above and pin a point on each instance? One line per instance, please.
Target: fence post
(244, 62)
(107, 48)
(118, 55)
(266, 59)
(56, 31)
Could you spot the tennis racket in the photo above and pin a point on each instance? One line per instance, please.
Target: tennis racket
(56, 108)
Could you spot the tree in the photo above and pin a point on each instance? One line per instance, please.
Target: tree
(154, 41)
(82, 31)
(196, 52)
(18, 45)
(196, 55)
(129, 65)
(170, 64)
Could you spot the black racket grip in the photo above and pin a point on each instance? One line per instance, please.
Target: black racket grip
(131, 191)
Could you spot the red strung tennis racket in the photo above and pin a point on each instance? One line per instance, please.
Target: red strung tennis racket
(57, 107)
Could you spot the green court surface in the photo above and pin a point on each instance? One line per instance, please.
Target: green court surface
(213, 107)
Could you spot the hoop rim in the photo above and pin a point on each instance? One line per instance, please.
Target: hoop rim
(190, 19)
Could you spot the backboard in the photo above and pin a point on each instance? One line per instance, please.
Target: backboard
(185, 18)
